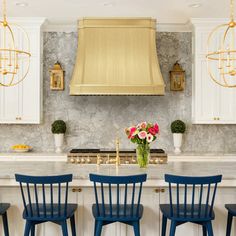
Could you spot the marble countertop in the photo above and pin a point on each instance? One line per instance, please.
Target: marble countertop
(81, 172)
(8, 169)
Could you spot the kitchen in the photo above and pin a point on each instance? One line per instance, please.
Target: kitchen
(29, 109)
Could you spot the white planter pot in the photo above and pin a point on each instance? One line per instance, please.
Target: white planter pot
(59, 141)
(177, 142)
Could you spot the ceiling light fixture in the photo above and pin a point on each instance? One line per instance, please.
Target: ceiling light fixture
(221, 53)
(14, 61)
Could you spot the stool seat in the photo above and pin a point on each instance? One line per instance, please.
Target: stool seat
(231, 208)
(121, 214)
(53, 212)
(119, 205)
(200, 213)
(4, 207)
(45, 199)
(191, 200)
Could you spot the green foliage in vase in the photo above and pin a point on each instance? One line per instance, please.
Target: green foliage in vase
(178, 126)
(58, 127)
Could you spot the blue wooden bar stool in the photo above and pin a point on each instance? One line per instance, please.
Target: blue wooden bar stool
(191, 206)
(3, 212)
(231, 213)
(49, 206)
(117, 207)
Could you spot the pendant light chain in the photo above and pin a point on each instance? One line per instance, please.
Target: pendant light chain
(232, 10)
(4, 12)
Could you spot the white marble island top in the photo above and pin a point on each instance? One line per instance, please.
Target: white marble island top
(81, 172)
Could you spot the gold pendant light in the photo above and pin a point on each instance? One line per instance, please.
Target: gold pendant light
(221, 55)
(14, 52)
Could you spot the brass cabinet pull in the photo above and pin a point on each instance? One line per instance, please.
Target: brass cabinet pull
(159, 190)
(76, 190)
(216, 118)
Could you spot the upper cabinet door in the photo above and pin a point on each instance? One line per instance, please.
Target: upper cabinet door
(22, 104)
(212, 104)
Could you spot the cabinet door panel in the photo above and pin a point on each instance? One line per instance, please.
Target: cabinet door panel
(223, 196)
(30, 87)
(212, 104)
(88, 219)
(185, 229)
(149, 224)
(205, 93)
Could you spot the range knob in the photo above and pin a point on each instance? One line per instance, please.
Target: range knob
(82, 160)
(88, 160)
(72, 160)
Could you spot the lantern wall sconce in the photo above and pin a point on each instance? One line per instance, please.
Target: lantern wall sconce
(57, 77)
(177, 78)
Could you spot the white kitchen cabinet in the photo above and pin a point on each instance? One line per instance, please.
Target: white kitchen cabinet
(22, 104)
(150, 223)
(211, 104)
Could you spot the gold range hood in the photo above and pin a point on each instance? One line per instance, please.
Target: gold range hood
(117, 56)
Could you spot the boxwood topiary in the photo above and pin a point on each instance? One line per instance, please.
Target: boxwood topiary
(178, 126)
(58, 127)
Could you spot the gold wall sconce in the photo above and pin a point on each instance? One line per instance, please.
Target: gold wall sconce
(57, 77)
(177, 78)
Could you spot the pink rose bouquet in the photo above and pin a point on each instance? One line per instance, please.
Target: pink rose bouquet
(143, 133)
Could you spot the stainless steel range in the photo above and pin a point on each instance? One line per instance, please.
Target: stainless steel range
(101, 156)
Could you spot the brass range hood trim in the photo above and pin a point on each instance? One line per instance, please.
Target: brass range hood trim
(117, 56)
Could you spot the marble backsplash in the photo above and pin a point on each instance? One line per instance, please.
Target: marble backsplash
(94, 121)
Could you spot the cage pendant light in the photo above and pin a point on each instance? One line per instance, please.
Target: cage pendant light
(221, 53)
(14, 52)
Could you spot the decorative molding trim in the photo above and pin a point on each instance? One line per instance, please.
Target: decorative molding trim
(27, 21)
(72, 27)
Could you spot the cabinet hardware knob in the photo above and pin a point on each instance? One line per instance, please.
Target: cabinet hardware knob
(157, 190)
(162, 190)
(76, 190)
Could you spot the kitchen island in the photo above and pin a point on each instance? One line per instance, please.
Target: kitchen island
(81, 192)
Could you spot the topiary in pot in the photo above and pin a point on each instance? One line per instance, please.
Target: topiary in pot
(58, 129)
(178, 127)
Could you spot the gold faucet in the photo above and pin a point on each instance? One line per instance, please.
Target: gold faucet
(117, 159)
(117, 151)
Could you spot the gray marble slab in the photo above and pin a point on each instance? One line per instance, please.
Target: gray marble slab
(8, 169)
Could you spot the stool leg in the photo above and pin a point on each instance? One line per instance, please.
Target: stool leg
(5, 224)
(95, 227)
(64, 228)
(27, 228)
(72, 223)
(229, 224)
(209, 229)
(32, 230)
(99, 228)
(204, 230)
(173, 228)
(136, 228)
(164, 223)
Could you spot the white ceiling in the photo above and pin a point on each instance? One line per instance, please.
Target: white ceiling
(165, 11)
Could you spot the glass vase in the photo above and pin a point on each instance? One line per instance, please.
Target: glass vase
(143, 155)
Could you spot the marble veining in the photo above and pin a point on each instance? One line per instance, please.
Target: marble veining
(8, 169)
(94, 121)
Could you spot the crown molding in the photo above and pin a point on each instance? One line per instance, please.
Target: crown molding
(72, 27)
